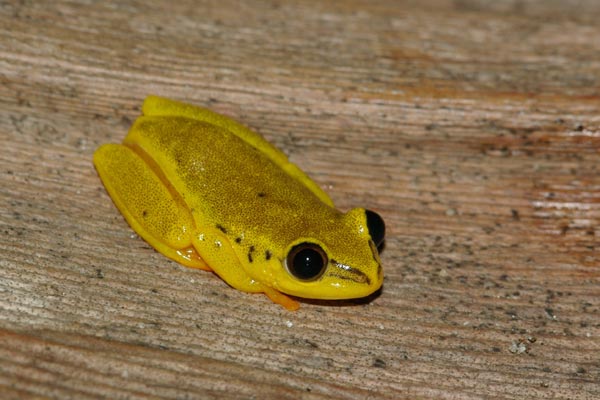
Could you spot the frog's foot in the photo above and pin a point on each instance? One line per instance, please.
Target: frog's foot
(191, 259)
(279, 298)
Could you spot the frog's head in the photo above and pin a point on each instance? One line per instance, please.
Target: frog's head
(339, 260)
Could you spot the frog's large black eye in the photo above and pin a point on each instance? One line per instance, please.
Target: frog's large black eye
(306, 261)
(376, 227)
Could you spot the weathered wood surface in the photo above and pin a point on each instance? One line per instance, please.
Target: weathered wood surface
(473, 128)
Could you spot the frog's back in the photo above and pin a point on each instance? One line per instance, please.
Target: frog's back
(162, 107)
(222, 178)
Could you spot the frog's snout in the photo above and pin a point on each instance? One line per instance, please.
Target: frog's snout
(376, 227)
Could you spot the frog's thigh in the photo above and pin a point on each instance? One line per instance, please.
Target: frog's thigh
(156, 213)
(214, 248)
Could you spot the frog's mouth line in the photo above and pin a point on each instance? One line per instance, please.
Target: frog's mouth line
(348, 273)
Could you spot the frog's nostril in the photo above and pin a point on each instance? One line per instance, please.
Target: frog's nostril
(376, 227)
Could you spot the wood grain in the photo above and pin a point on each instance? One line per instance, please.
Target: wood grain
(473, 127)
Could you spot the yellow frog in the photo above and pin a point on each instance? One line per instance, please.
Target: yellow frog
(210, 193)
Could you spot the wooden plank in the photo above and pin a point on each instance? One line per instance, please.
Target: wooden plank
(473, 128)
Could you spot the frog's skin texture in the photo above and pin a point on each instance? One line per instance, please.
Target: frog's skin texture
(211, 194)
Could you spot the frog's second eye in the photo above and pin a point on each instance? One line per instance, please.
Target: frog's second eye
(306, 261)
(376, 227)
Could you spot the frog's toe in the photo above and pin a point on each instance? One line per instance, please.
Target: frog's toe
(283, 300)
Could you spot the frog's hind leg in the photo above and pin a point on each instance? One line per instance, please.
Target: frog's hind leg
(148, 202)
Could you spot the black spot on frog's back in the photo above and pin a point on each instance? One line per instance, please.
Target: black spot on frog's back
(250, 251)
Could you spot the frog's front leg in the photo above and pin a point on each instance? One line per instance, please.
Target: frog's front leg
(215, 248)
(279, 298)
